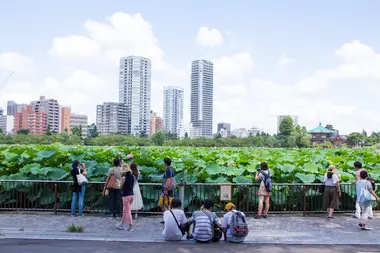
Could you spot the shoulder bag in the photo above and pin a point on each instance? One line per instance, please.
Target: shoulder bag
(182, 229)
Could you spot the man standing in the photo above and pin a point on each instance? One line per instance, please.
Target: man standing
(167, 192)
(358, 167)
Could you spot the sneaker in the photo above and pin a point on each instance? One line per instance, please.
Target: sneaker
(360, 225)
(162, 222)
(366, 229)
(72, 215)
(264, 216)
(370, 218)
(257, 216)
(120, 226)
(111, 217)
(130, 228)
(330, 218)
(189, 237)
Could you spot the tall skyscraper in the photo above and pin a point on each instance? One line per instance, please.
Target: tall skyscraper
(134, 92)
(13, 107)
(173, 109)
(156, 123)
(281, 117)
(202, 82)
(112, 118)
(51, 108)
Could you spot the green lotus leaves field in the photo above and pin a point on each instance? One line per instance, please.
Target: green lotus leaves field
(193, 165)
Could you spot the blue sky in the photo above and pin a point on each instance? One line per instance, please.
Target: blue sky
(306, 35)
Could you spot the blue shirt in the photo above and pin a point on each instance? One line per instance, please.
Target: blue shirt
(167, 174)
(361, 185)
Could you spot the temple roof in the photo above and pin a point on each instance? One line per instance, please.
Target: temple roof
(321, 129)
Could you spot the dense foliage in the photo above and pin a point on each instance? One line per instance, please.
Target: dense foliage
(193, 165)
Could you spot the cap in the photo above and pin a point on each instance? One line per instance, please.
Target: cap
(229, 206)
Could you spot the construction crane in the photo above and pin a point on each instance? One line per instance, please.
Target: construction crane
(6, 79)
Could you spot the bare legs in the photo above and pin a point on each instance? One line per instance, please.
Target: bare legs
(263, 199)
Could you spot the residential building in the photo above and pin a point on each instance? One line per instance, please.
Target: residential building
(134, 92)
(112, 117)
(320, 134)
(156, 123)
(13, 107)
(254, 131)
(1, 111)
(28, 118)
(201, 111)
(281, 117)
(7, 124)
(240, 133)
(79, 120)
(65, 119)
(224, 129)
(187, 130)
(51, 108)
(173, 109)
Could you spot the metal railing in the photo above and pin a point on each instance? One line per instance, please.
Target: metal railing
(55, 196)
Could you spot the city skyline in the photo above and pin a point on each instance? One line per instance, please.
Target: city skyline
(279, 67)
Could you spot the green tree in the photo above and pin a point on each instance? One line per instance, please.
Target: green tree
(76, 131)
(186, 135)
(23, 131)
(48, 131)
(94, 132)
(330, 127)
(301, 138)
(286, 129)
(355, 139)
(143, 134)
(158, 138)
(1, 132)
(171, 136)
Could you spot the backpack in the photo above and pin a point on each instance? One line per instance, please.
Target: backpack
(173, 184)
(238, 225)
(267, 182)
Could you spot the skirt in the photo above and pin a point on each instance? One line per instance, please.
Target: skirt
(263, 191)
(137, 203)
(330, 197)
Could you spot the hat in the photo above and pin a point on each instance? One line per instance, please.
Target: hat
(229, 206)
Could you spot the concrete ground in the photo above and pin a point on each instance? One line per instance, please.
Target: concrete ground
(279, 229)
(37, 246)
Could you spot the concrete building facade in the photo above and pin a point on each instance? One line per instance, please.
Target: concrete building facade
(52, 110)
(112, 117)
(173, 108)
(28, 118)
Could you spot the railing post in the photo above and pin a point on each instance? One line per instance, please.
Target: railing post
(182, 193)
(304, 200)
(55, 198)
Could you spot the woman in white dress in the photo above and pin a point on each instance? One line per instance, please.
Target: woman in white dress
(137, 203)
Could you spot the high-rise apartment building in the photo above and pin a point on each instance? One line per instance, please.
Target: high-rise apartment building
(1, 111)
(79, 120)
(28, 118)
(156, 123)
(65, 119)
(111, 118)
(281, 117)
(134, 92)
(173, 109)
(224, 129)
(202, 81)
(13, 107)
(51, 108)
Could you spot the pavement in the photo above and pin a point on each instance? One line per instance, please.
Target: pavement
(277, 229)
(38, 246)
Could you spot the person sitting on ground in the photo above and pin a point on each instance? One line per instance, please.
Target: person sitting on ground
(228, 223)
(175, 222)
(206, 225)
(364, 203)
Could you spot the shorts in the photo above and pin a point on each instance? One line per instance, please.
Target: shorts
(165, 201)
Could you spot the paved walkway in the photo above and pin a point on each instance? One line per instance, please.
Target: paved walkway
(277, 229)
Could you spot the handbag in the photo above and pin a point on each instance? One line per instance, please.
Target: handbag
(367, 195)
(182, 229)
(81, 179)
(113, 182)
(216, 233)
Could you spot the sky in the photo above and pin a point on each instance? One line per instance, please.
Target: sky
(319, 60)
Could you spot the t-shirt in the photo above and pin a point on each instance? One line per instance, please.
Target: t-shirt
(226, 224)
(357, 174)
(203, 225)
(167, 174)
(331, 181)
(114, 171)
(128, 185)
(171, 231)
(361, 185)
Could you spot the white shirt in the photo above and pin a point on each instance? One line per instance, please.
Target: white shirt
(171, 231)
(226, 224)
(331, 181)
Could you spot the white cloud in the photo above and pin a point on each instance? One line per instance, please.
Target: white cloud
(209, 37)
(284, 62)
(15, 62)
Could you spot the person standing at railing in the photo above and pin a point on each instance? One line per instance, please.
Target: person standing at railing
(127, 184)
(113, 188)
(264, 193)
(359, 168)
(332, 192)
(168, 182)
(137, 202)
(79, 188)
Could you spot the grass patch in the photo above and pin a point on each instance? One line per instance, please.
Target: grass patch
(75, 229)
(2, 235)
(21, 230)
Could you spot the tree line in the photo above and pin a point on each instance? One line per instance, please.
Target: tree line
(289, 136)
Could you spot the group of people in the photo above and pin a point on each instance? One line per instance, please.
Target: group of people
(365, 193)
(122, 182)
